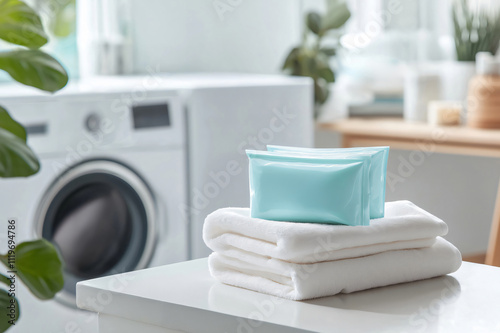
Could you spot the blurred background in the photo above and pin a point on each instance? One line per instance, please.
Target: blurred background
(165, 95)
(383, 40)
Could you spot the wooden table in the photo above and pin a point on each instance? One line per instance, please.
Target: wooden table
(184, 297)
(394, 132)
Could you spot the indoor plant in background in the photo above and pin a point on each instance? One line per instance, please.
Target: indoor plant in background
(311, 58)
(36, 263)
(476, 29)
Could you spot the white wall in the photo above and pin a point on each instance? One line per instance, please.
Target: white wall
(205, 35)
(460, 190)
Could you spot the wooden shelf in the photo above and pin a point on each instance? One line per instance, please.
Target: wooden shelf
(397, 133)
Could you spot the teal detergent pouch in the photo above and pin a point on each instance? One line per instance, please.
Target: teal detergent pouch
(306, 188)
(378, 169)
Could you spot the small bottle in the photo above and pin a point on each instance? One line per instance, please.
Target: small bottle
(483, 100)
(420, 89)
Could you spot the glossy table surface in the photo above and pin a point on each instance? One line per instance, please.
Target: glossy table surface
(184, 297)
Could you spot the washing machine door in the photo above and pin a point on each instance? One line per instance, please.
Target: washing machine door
(101, 216)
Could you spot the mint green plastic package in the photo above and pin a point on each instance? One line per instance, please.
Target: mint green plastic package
(307, 188)
(378, 168)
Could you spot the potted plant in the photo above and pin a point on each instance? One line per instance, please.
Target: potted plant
(36, 263)
(476, 29)
(311, 58)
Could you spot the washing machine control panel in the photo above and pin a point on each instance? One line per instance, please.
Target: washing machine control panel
(151, 115)
(86, 123)
(93, 122)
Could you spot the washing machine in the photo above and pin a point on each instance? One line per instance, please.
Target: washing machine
(108, 192)
(131, 166)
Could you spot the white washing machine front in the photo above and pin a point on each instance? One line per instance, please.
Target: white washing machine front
(111, 208)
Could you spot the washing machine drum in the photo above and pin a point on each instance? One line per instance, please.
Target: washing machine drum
(100, 215)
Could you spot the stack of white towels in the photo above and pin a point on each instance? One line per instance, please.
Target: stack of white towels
(300, 261)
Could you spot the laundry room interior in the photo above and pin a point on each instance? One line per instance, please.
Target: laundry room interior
(249, 166)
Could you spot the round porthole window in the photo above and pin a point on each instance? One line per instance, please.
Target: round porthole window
(100, 215)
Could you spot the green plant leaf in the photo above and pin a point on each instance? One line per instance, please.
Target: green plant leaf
(5, 280)
(291, 59)
(62, 22)
(322, 60)
(335, 17)
(321, 91)
(20, 24)
(9, 124)
(5, 304)
(40, 267)
(313, 22)
(328, 51)
(327, 74)
(34, 68)
(16, 158)
(312, 66)
(475, 30)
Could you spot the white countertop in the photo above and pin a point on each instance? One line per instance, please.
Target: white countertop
(184, 297)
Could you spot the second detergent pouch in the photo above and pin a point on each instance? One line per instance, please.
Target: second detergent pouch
(301, 188)
(377, 173)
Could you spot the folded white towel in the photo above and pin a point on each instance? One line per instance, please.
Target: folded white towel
(305, 281)
(230, 231)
